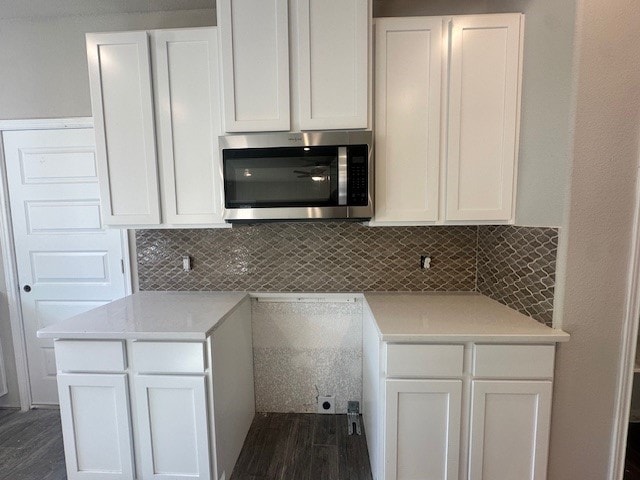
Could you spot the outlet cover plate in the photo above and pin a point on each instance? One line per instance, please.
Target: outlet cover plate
(327, 401)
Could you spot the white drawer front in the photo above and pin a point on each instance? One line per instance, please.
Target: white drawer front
(513, 361)
(168, 357)
(90, 356)
(424, 360)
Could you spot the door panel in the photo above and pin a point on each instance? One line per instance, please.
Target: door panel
(189, 123)
(254, 37)
(172, 416)
(483, 116)
(63, 253)
(333, 38)
(122, 105)
(422, 429)
(96, 421)
(409, 53)
(509, 430)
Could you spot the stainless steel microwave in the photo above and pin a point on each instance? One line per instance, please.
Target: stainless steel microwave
(298, 176)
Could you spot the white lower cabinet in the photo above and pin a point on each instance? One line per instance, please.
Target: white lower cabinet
(149, 409)
(456, 411)
(172, 421)
(96, 426)
(422, 429)
(509, 429)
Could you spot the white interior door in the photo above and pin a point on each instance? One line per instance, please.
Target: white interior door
(67, 262)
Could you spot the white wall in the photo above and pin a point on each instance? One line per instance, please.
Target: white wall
(44, 64)
(44, 75)
(596, 242)
(544, 136)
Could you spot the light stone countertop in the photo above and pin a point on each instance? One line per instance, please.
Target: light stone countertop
(151, 316)
(400, 318)
(454, 317)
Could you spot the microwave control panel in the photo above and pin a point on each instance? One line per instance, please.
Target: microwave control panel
(357, 175)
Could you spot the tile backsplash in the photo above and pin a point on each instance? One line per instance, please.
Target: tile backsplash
(309, 257)
(513, 265)
(517, 267)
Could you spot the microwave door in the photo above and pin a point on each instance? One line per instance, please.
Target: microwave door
(287, 177)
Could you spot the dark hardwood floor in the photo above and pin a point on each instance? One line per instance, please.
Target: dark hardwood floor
(278, 447)
(292, 446)
(31, 445)
(632, 461)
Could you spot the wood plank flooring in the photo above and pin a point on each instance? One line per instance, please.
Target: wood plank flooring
(31, 445)
(278, 447)
(292, 446)
(632, 460)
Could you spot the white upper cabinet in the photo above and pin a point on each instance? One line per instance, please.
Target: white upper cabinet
(447, 103)
(173, 161)
(122, 103)
(255, 64)
(188, 115)
(326, 84)
(333, 63)
(483, 116)
(408, 76)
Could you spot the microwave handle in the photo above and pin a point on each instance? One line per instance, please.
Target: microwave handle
(342, 175)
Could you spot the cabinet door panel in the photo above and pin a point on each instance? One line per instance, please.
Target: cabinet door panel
(509, 430)
(408, 74)
(172, 420)
(255, 64)
(333, 67)
(483, 117)
(121, 100)
(96, 426)
(189, 123)
(422, 429)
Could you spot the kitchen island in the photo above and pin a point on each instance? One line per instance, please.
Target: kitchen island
(160, 385)
(156, 385)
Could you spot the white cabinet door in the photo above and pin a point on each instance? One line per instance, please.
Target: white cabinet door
(96, 426)
(172, 424)
(422, 429)
(189, 123)
(121, 99)
(509, 430)
(255, 64)
(409, 55)
(333, 63)
(483, 116)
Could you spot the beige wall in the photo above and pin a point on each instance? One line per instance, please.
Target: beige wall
(597, 239)
(44, 73)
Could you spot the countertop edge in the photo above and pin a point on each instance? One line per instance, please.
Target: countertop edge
(223, 318)
(477, 338)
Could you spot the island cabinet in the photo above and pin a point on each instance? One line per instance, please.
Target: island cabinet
(456, 410)
(156, 105)
(317, 78)
(447, 107)
(157, 409)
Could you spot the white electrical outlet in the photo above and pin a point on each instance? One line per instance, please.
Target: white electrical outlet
(327, 404)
